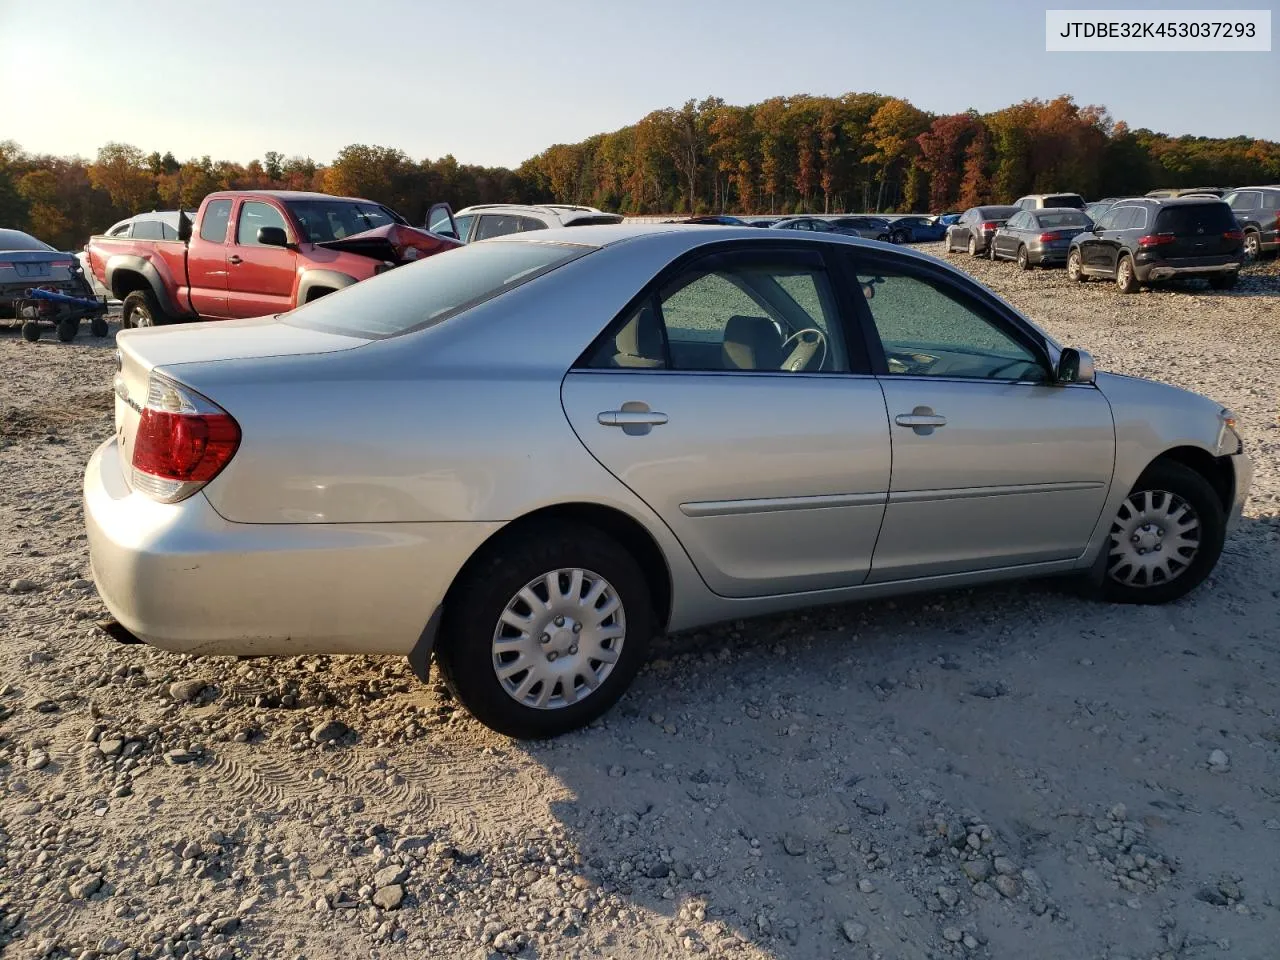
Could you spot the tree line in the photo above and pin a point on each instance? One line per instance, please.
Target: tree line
(800, 154)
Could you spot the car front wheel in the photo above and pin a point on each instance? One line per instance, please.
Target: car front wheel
(973, 246)
(1126, 280)
(545, 633)
(1075, 269)
(1165, 538)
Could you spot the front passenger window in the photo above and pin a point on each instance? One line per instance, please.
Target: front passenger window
(929, 329)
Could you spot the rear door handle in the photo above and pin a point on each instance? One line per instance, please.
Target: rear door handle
(631, 418)
(234, 259)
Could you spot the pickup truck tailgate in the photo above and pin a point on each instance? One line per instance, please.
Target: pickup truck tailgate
(142, 350)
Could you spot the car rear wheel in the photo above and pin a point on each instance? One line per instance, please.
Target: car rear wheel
(1165, 538)
(1075, 269)
(1024, 260)
(973, 246)
(140, 309)
(546, 631)
(1224, 281)
(1252, 245)
(1126, 280)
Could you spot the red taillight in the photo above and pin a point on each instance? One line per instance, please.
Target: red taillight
(183, 441)
(1233, 235)
(1156, 239)
(990, 225)
(1048, 237)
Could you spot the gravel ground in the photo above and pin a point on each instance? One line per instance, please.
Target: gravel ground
(1004, 773)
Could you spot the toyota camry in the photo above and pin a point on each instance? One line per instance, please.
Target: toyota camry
(525, 459)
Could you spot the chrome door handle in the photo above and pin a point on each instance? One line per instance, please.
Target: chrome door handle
(920, 420)
(631, 418)
(234, 259)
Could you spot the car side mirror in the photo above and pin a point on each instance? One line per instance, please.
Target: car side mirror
(184, 226)
(272, 237)
(1075, 366)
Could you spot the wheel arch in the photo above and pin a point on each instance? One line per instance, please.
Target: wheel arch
(621, 526)
(126, 274)
(313, 284)
(1217, 470)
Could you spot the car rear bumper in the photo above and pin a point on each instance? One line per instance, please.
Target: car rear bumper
(182, 578)
(1043, 255)
(1207, 267)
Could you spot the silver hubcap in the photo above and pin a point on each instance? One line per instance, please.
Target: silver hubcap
(1154, 539)
(140, 317)
(1125, 271)
(1252, 246)
(558, 639)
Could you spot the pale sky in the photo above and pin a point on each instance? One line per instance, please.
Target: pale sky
(497, 81)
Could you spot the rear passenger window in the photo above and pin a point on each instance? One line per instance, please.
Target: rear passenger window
(1271, 201)
(213, 225)
(746, 313)
(528, 223)
(1196, 218)
(147, 230)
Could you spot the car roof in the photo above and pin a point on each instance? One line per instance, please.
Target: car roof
(1189, 201)
(286, 195)
(555, 208)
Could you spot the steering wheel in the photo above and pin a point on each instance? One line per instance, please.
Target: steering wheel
(808, 342)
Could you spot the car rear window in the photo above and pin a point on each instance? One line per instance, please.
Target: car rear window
(17, 240)
(1065, 200)
(1063, 220)
(433, 290)
(1196, 218)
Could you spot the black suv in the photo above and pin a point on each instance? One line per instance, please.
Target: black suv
(1257, 210)
(1146, 241)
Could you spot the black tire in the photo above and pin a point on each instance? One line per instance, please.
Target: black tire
(67, 330)
(1252, 245)
(1224, 281)
(465, 653)
(1023, 259)
(99, 327)
(141, 309)
(1075, 266)
(31, 331)
(1164, 478)
(1126, 278)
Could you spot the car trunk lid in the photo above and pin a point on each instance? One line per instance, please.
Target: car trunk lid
(141, 351)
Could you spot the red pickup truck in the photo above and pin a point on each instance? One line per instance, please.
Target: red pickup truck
(256, 252)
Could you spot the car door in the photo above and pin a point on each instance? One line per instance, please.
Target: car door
(994, 465)
(260, 278)
(730, 397)
(1092, 243)
(1121, 236)
(207, 261)
(960, 229)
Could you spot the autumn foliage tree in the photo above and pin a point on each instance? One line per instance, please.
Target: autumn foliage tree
(802, 153)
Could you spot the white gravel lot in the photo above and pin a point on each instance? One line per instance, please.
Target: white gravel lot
(1004, 773)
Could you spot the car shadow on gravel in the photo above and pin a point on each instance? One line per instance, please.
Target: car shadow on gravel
(905, 776)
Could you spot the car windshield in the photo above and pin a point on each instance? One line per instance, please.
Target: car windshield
(1196, 218)
(323, 220)
(428, 292)
(17, 240)
(1051, 220)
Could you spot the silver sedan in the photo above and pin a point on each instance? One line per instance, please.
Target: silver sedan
(529, 456)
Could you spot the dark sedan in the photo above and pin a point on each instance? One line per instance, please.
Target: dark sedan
(715, 220)
(1039, 238)
(974, 229)
(26, 262)
(917, 230)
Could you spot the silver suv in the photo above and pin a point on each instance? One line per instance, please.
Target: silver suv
(1041, 201)
(486, 220)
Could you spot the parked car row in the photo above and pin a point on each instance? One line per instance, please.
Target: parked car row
(1131, 241)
